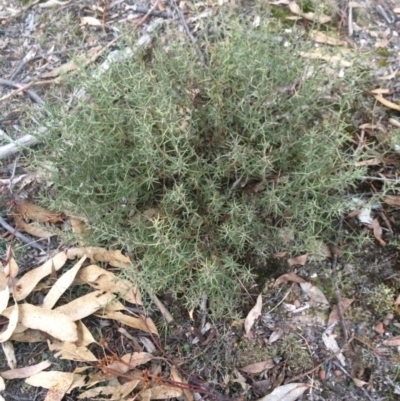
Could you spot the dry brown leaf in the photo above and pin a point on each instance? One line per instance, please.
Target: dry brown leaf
(11, 269)
(57, 392)
(319, 55)
(28, 281)
(52, 322)
(314, 293)
(392, 342)
(370, 162)
(29, 336)
(84, 335)
(381, 91)
(334, 315)
(86, 305)
(62, 69)
(79, 227)
(4, 296)
(390, 76)
(95, 254)
(28, 210)
(9, 353)
(387, 103)
(90, 21)
(377, 230)
(71, 352)
(392, 200)
(298, 260)
(140, 323)
(13, 318)
(253, 315)
(160, 393)
(320, 18)
(32, 229)
(289, 277)
(49, 379)
(27, 371)
(61, 285)
(175, 376)
(321, 37)
(258, 367)
(287, 392)
(130, 361)
(104, 280)
(118, 392)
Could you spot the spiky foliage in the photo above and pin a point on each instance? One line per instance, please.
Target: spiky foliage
(195, 168)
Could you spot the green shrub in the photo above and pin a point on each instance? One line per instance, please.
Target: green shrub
(195, 168)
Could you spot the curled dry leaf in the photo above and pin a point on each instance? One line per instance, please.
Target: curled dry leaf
(288, 392)
(298, 260)
(377, 230)
(118, 392)
(104, 280)
(258, 367)
(130, 361)
(61, 285)
(175, 376)
(11, 269)
(50, 379)
(52, 322)
(392, 342)
(392, 200)
(359, 383)
(253, 315)
(27, 371)
(28, 281)
(86, 305)
(334, 315)
(4, 296)
(84, 335)
(161, 393)
(71, 352)
(314, 293)
(90, 21)
(36, 213)
(387, 103)
(289, 277)
(13, 318)
(79, 227)
(95, 254)
(29, 336)
(140, 323)
(9, 353)
(32, 229)
(330, 343)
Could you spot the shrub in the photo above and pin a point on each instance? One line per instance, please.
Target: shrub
(195, 168)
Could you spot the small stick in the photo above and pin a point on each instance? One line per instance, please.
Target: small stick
(13, 93)
(202, 57)
(295, 378)
(20, 236)
(36, 98)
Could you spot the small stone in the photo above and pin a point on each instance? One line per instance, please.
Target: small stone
(322, 374)
(338, 373)
(297, 303)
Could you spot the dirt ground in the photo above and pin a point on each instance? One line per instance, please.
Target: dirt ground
(291, 333)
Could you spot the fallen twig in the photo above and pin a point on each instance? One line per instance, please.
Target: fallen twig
(13, 93)
(201, 55)
(153, 13)
(11, 148)
(295, 378)
(29, 241)
(32, 94)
